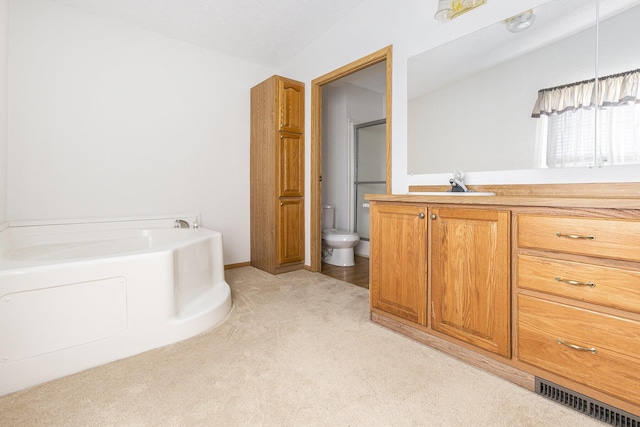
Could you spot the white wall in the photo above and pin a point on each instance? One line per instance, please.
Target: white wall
(4, 41)
(107, 120)
(341, 105)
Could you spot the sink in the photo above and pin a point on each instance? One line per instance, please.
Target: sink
(454, 194)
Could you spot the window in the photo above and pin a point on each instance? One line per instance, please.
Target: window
(568, 123)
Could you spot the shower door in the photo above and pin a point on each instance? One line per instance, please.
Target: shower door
(370, 169)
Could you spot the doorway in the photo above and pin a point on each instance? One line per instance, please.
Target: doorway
(316, 140)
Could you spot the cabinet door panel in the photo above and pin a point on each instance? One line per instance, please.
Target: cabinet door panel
(291, 231)
(291, 165)
(470, 286)
(291, 96)
(399, 261)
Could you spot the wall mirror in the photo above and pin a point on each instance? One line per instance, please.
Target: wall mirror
(470, 101)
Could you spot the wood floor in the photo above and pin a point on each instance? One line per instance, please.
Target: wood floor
(357, 275)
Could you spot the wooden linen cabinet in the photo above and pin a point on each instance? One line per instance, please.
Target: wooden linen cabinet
(277, 175)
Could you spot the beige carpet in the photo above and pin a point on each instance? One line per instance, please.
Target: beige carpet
(297, 350)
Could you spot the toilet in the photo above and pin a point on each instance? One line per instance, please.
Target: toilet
(337, 245)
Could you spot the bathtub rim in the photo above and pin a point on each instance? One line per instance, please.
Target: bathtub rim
(26, 229)
(134, 221)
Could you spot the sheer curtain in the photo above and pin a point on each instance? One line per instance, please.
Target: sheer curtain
(569, 122)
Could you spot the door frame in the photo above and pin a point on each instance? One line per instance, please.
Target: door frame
(316, 141)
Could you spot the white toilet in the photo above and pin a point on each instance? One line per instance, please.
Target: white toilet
(337, 245)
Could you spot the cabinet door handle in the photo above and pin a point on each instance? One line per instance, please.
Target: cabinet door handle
(592, 350)
(433, 216)
(575, 236)
(575, 282)
(421, 215)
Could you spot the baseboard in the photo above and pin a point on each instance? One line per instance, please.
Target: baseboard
(237, 265)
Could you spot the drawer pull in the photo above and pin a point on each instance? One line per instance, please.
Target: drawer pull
(575, 283)
(575, 236)
(592, 350)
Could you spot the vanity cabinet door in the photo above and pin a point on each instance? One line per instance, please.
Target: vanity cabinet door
(470, 285)
(398, 276)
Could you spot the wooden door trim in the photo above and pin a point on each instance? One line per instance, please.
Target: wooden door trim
(316, 140)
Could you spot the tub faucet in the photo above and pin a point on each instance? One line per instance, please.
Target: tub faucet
(181, 223)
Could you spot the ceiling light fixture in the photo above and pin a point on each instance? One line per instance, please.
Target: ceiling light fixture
(520, 22)
(449, 9)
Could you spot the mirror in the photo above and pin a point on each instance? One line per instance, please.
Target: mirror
(470, 100)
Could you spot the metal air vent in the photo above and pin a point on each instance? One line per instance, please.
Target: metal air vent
(588, 406)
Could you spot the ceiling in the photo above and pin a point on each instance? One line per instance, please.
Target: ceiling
(266, 32)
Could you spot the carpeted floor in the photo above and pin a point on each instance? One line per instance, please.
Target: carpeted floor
(298, 349)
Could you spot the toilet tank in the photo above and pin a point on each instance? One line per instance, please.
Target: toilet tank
(328, 217)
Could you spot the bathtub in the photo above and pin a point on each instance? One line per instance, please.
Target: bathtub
(78, 295)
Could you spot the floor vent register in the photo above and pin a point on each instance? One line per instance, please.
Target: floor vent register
(588, 406)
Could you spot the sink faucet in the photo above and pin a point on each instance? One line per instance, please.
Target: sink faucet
(457, 185)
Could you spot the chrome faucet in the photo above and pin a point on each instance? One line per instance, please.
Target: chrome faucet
(457, 185)
(181, 223)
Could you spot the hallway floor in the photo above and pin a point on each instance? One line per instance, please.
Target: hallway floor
(357, 275)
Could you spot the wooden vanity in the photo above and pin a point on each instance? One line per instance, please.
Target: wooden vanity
(537, 281)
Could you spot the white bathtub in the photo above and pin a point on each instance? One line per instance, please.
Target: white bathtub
(75, 296)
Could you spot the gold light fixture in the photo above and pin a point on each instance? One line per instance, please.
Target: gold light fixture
(449, 9)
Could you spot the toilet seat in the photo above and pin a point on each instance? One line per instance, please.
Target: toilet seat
(333, 235)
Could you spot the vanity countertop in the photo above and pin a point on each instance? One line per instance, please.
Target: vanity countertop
(559, 202)
(607, 196)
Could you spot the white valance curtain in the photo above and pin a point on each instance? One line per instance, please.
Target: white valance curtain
(568, 122)
(614, 90)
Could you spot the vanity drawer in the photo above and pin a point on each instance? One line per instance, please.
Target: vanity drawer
(607, 286)
(613, 367)
(601, 237)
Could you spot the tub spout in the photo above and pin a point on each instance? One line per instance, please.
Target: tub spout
(181, 223)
